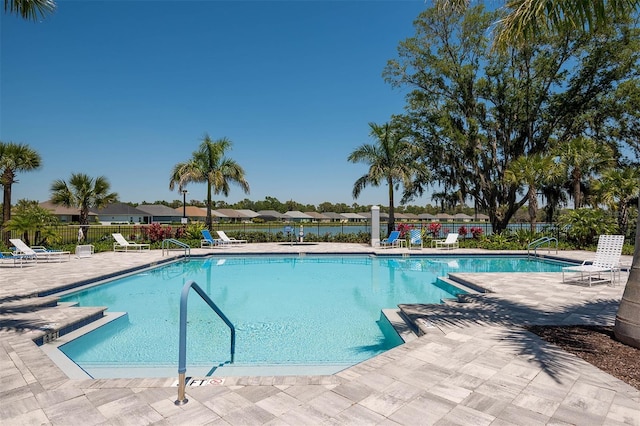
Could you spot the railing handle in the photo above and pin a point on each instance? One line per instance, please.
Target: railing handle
(182, 350)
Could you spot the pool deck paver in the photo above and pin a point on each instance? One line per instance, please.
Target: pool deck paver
(472, 364)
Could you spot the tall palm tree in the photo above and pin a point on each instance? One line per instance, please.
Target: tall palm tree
(83, 192)
(532, 171)
(392, 160)
(14, 158)
(581, 157)
(532, 17)
(617, 188)
(30, 9)
(209, 165)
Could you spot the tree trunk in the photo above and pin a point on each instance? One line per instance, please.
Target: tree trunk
(533, 209)
(208, 220)
(6, 207)
(577, 194)
(391, 223)
(627, 326)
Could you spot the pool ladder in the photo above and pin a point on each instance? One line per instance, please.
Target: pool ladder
(182, 350)
(540, 242)
(166, 245)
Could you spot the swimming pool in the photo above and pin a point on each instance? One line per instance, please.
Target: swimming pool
(320, 313)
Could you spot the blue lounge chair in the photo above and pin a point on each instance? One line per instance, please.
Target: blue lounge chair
(207, 240)
(16, 258)
(415, 238)
(393, 240)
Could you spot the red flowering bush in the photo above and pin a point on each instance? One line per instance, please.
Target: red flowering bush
(156, 232)
(476, 231)
(404, 229)
(463, 231)
(434, 228)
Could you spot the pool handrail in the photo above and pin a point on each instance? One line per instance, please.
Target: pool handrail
(182, 352)
(540, 241)
(180, 244)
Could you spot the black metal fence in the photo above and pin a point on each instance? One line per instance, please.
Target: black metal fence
(69, 234)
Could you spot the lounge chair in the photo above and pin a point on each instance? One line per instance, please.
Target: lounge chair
(227, 240)
(39, 252)
(121, 244)
(16, 258)
(606, 260)
(207, 240)
(415, 238)
(393, 240)
(450, 242)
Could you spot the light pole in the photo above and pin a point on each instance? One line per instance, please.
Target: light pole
(184, 206)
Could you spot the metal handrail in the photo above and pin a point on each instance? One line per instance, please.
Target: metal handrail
(540, 241)
(182, 353)
(168, 241)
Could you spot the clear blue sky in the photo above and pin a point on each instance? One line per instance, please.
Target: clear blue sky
(127, 89)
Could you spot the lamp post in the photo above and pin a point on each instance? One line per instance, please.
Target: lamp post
(184, 206)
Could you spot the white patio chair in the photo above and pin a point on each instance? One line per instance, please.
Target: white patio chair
(606, 260)
(450, 242)
(121, 244)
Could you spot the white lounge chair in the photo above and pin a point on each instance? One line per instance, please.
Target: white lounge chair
(606, 260)
(415, 238)
(121, 244)
(450, 242)
(40, 253)
(227, 240)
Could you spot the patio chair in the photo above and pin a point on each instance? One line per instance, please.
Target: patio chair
(415, 238)
(450, 242)
(606, 260)
(39, 252)
(207, 240)
(16, 258)
(121, 244)
(227, 240)
(393, 240)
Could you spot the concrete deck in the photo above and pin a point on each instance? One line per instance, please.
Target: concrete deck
(472, 364)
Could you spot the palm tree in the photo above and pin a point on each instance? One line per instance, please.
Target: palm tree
(209, 165)
(30, 9)
(14, 158)
(392, 160)
(617, 188)
(83, 192)
(580, 158)
(532, 171)
(28, 218)
(527, 18)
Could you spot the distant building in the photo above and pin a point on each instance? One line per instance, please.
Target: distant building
(354, 217)
(334, 217)
(159, 213)
(234, 215)
(121, 213)
(318, 217)
(298, 216)
(444, 217)
(272, 216)
(66, 214)
(461, 217)
(193, 213)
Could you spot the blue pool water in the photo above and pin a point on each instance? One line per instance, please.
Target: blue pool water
(286, 310)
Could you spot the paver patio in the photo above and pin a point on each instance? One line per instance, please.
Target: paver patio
(472, 365)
